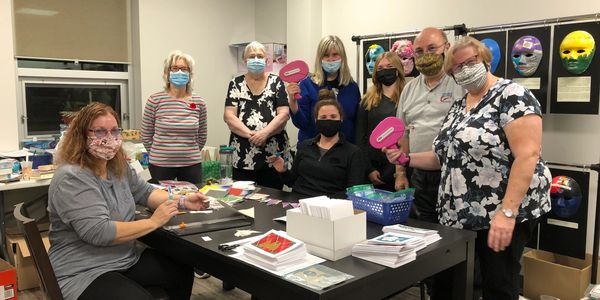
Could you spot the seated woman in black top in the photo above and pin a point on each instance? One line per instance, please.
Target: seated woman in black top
(326, 164)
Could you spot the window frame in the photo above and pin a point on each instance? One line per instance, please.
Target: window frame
(71, 77)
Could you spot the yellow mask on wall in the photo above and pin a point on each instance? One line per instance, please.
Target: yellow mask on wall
(577, 51)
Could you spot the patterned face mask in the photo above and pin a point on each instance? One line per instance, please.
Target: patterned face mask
(429, 64)
(104, 148)
(471, 78)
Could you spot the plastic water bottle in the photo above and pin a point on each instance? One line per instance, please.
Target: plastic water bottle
(226, 160)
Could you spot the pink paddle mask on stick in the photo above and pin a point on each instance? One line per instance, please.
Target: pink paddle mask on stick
(387, 134)
(294, 72)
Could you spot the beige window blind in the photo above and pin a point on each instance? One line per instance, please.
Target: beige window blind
(94, 30)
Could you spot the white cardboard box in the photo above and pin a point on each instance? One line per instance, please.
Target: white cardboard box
(328, 239)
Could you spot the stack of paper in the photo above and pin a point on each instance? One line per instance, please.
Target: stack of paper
(389, 249)
(275, 251)
(429, 235)
(325, 208)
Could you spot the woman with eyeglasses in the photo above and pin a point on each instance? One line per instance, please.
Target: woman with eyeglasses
(91, 203)
(256, 111)
(174, 124)
(494, 180)
(380, 102)
(331, 71)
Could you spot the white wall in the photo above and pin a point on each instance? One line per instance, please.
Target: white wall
(270, 18)
(204, 29)
(9, 139)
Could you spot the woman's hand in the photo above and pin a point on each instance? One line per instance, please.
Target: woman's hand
(293, 89)
(277, 163)
(401, 181)
(259, 138)
(392, 155)
(375, 178)
(196, 201)
(163, 213)
(500, 234)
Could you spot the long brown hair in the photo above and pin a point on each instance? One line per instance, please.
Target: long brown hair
(74, 149)
(375, 92)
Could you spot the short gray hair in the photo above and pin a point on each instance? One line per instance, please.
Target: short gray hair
(171, 59)
(254, 45)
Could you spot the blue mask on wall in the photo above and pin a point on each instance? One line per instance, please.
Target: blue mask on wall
(495, 49)
(371, 56)
(179, 78)
(566, 196)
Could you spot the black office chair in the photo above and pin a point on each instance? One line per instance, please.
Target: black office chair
(49, 284)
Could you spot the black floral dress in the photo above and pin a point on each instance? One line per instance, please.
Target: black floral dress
(256, 112)
(476, 159)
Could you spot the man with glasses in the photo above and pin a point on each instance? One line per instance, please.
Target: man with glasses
(424, 103)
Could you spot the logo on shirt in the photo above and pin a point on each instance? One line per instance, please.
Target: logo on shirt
(446, 97)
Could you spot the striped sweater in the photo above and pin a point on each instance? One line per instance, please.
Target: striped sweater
(174, 130)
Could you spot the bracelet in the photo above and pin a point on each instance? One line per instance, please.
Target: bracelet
(182, 202)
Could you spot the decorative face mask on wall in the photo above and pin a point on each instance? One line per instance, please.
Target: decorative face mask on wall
(577, 51)
(404, 48)
(495, 49)
(372, 53)
(565, 195)
(527, 54)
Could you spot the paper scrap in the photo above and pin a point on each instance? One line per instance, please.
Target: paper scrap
(247, 212)
(245, 232)
(206, 238)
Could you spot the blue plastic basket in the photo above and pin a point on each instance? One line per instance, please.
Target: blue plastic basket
(383, 207)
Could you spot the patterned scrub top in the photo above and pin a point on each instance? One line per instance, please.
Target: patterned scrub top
(476, 159)
(256, 112)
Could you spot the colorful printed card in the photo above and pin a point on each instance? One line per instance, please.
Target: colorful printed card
(273, 243)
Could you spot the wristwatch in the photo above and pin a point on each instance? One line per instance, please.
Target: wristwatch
(509, 213)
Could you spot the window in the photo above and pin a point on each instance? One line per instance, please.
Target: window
(49, 105)
(52, 90)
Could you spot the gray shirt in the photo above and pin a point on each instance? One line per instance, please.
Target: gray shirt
(423, 109)
(82, 208)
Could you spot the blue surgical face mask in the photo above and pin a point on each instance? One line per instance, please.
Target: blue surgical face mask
(179, 78)
(256, 65)
(331, 66)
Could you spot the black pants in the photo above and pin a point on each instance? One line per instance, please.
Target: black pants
(499, 270)
(153, 269)
(191, 173)
(269, 177)
(426, 184)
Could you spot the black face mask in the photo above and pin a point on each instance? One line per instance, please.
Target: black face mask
(329, 128)
(387, 77)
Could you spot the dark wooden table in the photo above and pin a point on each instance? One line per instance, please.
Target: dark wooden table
(371, 281)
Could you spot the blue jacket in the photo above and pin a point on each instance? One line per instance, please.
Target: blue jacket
(348, 97)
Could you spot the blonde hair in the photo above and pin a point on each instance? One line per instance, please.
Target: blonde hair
(325, 45)
(482, 51)
(375, 92)
(171, 59)
(74, 149)
(254, 45)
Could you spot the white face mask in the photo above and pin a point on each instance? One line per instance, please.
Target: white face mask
(472, 78)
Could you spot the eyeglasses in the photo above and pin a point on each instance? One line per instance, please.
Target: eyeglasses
(469, 62)
(102, 132)
(177, 69)
(430, 49)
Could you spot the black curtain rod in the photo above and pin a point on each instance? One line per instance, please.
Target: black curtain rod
(542, 22)
(459, 28)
